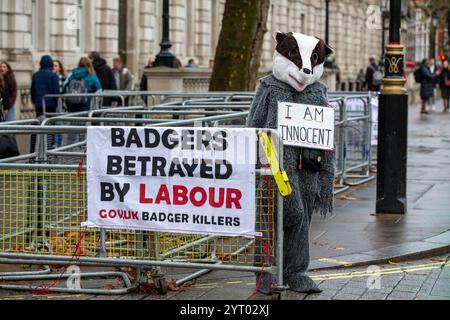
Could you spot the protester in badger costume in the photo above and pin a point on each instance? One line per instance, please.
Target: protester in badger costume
(297, 67)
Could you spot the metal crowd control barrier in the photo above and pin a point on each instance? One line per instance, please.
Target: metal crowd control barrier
(37, 207)
(357, 142)
(42, 206)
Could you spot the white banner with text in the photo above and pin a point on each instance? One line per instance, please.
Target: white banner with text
(180, 180)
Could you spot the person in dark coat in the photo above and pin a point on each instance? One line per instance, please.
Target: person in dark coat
(143, 86)
(428, 81)
(44, 82)
(4, 96)
(444, 83)
(105, 76)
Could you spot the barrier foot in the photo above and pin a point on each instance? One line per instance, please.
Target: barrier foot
(339, 189)
(190, 277)
(71, 289)
(45, 270)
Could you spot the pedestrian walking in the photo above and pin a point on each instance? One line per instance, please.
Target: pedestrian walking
(143, 86)
(374, 76)
(11, 90)
(58, 68)
(123, 77)
(82, 80)
(105, 76)
(427, 84)
(360, 79)
(444, 83)
(44, 82)
(191, 64)
(8, 144)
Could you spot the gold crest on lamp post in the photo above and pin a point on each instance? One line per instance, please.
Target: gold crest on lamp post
(394, 80)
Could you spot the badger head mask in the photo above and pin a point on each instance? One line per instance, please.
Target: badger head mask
(299, 59)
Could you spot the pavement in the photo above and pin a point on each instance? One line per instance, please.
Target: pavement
(355, 250)
(355, 235)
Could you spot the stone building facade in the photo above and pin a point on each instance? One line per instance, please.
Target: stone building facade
(68, 29)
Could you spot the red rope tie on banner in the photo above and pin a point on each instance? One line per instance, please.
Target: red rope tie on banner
(266, 247)
(42, 290)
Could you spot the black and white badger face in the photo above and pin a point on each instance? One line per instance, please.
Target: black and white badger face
(299, 59)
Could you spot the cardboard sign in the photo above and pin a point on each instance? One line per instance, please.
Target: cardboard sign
(306, 126)
(179, 180)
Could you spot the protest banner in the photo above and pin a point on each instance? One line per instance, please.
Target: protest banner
(306, 126)
(179, 180)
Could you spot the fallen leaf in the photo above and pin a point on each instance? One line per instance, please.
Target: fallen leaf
(392, 263)
(345, 198)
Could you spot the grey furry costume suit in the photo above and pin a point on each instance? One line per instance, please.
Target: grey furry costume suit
(311, 190)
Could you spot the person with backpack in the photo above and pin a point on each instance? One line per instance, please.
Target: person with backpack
(444, 84)
(82, 80)
(374, 76)
(4, 96)
(8, 143)
(427, 83)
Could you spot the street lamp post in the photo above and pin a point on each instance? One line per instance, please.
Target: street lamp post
(393, 124)
(165, 57)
